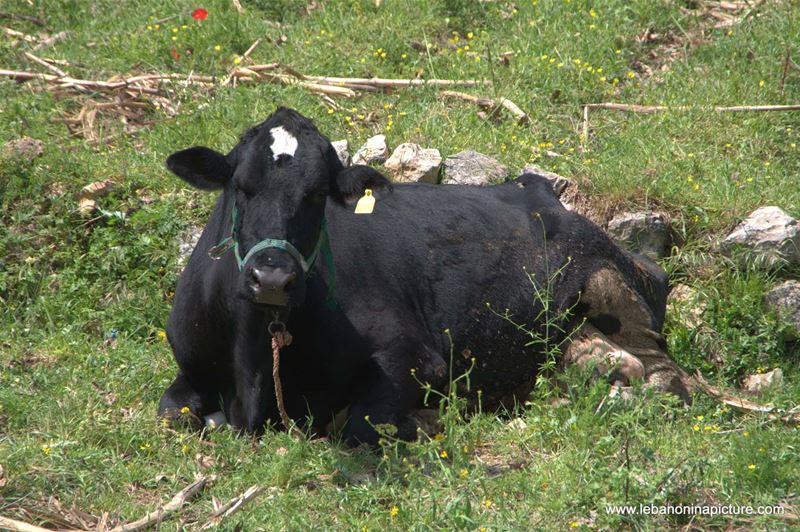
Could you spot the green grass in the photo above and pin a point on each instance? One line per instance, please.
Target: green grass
(77, 415)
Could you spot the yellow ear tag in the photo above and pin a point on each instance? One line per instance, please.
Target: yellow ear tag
(366, 204)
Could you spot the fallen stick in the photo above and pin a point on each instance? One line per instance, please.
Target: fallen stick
(89, 83)
(649, 109)
(232, 506)
(155, 517)
(27, 18)
(396, 83)
(45, 64)
(745, 405)
(488, 103)
(60, 36)
(511, 107)
(20, 526)
(253, 46)
(24, 36)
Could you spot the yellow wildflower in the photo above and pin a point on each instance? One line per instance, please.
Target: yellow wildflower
(443, 454)
(751, 467)
(394, 511)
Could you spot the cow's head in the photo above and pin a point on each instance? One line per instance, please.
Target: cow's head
(278, 178)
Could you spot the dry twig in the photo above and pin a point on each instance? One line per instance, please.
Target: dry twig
(25, 18)
(156, 516)
(744, 405)
(49, 41)
(488, 103)
(232, 506)
(45, 64)
(649, 109)
(20, 526)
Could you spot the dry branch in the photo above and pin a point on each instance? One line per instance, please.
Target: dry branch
(232, 506)
(88, 83)
(24, 36)
(398, 83)
(26, 18)
(45, 64)
(253, 46)
(745, 405)
(156, 516)
(649, 109)
(19, 526)
(60, 36)
(488, 103)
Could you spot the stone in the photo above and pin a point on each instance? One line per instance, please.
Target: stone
(686, 305)
(517, 424)
(25, 148)
(342, 148)
(769, 233)
(87, 199)
(374, 151)
(472, 168)
(641, 232)
(411, 163)
(761, 381)
(559, 183)
(188, 241)
(785, 300)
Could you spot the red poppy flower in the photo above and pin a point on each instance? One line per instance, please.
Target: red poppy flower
(174, 53)
(199, 14)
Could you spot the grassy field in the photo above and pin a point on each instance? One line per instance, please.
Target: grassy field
(84, 300)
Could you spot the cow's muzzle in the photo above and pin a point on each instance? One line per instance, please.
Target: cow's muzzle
(270, 286)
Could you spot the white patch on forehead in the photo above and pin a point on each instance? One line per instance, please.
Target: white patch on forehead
(283, 142)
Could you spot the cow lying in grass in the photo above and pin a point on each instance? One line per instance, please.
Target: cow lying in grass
(368, 297)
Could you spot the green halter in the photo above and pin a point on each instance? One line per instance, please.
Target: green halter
(306, 263)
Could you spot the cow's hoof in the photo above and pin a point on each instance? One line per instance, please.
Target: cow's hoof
(215, 420)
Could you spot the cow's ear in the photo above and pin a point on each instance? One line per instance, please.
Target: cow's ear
(201, 167)
(350, 183)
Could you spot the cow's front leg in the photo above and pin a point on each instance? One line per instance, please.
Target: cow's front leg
(393, 391)
(250, 408)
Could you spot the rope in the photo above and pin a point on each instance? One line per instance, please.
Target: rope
(282, 339)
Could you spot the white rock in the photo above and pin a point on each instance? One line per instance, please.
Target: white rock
(374, 151)
(517, 424)
(472, 168)
(770, 233)
(760, 382)
(187, 242)
(785, 300)
(641, 232)
(686, 304)
(411, 163)
(342, 148)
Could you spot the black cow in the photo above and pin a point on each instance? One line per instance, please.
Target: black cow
(368, 297)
